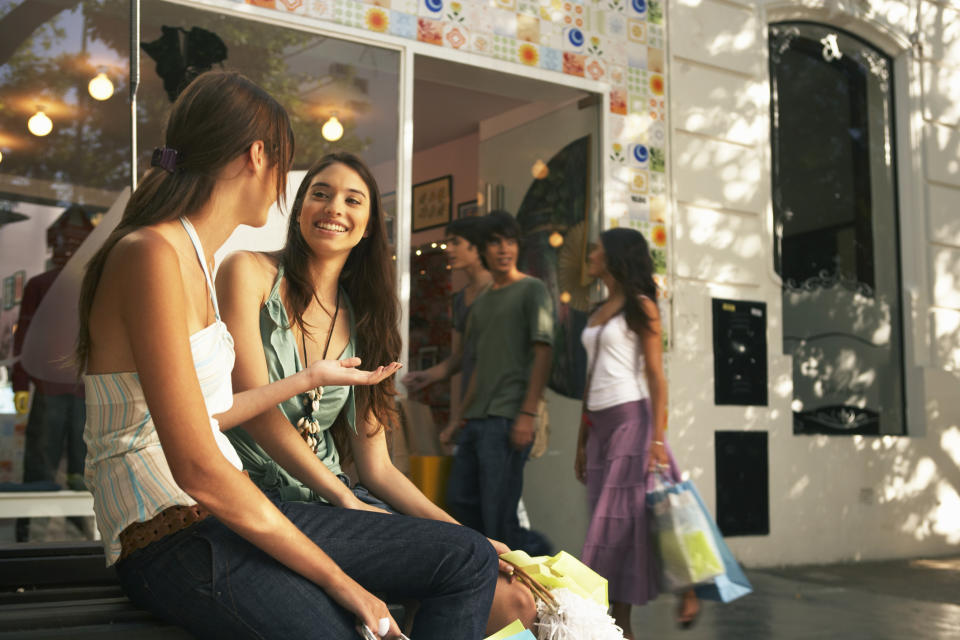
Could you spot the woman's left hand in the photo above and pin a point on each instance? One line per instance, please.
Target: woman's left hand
(500, 548)
(345, 373)
(658, 455)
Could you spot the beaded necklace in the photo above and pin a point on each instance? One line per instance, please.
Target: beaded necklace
(308, 426)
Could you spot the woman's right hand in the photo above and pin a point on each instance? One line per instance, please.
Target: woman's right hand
(345, 373)
(369, 609)
(580, 463)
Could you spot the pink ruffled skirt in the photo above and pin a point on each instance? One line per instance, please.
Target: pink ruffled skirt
(618, 544)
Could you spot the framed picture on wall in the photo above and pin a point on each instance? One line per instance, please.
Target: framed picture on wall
(468, 209)
(432, 203)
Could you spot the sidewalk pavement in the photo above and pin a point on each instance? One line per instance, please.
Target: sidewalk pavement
(899, 599)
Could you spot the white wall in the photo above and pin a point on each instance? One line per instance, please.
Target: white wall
(831, 498)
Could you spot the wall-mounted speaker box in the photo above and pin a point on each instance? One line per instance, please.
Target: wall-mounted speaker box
(743, 483)
(739, 352)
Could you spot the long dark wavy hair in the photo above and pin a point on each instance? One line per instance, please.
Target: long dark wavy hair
(368, 278)
(215, 120)
(629, 262)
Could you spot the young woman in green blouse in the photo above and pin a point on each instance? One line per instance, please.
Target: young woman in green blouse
(329, 294)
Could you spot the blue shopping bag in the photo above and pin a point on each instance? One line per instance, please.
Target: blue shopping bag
(732, 584)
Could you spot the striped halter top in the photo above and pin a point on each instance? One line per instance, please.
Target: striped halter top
(125, 468)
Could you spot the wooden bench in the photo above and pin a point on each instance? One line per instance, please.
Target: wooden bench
(65, 590)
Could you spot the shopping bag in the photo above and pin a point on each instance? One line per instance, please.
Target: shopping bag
(684, 536)
(513, 631)
(730, 585)
(562, 571)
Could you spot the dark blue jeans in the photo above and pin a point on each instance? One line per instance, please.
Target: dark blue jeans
(486, 480)
(215, 584)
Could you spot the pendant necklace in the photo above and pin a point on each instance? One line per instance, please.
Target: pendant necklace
(308, 426)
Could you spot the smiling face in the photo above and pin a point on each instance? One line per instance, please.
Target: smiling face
(501, 254)
(335, 211)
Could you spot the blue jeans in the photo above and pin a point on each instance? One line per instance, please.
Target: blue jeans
(486, 480)
(215, 584)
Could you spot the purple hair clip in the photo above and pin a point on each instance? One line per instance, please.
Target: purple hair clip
(165, 158)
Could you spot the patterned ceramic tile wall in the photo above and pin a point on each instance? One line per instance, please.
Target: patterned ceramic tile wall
(620, 42)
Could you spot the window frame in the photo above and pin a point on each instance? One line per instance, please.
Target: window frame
(909, 131)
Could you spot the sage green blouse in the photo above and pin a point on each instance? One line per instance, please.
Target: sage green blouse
(283, 359)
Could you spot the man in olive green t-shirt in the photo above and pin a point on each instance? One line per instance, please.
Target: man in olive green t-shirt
(510, 329)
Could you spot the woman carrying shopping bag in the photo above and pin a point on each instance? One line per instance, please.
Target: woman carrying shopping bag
(622, 437)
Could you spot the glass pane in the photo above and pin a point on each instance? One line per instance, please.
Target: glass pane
(65, 145)
(527, 147)
(834, 193)
(314, 77)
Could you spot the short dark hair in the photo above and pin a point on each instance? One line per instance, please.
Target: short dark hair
(470, 229)
(497, 223)
(501, 223)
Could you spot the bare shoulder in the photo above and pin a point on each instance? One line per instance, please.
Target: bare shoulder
(247, 272)
(144, 250)
(649, 307)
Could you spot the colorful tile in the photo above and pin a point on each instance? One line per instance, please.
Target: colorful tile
(655, 60)
(637, 8)
(455, 13)
(551, 35)
(618, 100)
(504, 48)
(351, 14)
(377, 20)
(574, 63)
(403, 25)
(655, 35)
(551, 59)
(430, 31)
(529, 54)
(637, 30)
(528, 28)
(482, 42)
(573, 39)
(455, 36)
(432, 9)
(595, 69)
(322, 9)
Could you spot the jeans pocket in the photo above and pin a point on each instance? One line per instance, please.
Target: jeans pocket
(195, 556)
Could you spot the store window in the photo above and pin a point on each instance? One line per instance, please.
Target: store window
(835, 215)
(66, 145)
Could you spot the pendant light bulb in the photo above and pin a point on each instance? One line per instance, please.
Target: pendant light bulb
(40, 124)
(100, 87)
(332, 130)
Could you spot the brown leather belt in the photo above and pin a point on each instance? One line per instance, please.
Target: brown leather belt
(169, 521)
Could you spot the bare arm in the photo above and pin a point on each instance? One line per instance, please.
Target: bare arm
(652, 345)
(152, 309)
(521, 435)
(384, 480)
(416, 380)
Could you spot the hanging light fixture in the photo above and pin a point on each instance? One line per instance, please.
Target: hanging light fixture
(100, 87)
(39, 123)
(332, 130)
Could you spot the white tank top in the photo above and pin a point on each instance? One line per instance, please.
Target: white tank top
(618, 365)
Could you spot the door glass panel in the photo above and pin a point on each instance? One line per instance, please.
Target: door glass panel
(835, 211)
(64, 158)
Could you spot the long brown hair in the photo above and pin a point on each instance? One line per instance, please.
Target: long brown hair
(216, 118)
(368, 278)
(631, 265)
